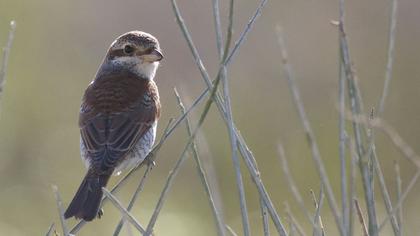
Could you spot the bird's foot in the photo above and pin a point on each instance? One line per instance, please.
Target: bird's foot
(150, 161)
(100, 213)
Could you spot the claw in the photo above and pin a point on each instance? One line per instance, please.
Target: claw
(100, 213)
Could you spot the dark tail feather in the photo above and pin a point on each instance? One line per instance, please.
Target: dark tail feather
(86, 202)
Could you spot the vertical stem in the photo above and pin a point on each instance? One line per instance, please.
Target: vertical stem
(399, 190)
(390, 61)
(216, 214)
(6, 53)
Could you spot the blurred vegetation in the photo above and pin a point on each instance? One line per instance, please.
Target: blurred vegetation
(59, 45)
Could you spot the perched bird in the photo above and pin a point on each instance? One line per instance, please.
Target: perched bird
(118, 117)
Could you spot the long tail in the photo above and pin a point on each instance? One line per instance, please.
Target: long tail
(86, 202)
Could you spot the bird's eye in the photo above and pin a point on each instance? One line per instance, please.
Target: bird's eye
(128, 49)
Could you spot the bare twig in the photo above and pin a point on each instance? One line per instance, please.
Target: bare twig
(399, 190)
(361, 219)
(404, 194)
(264, 216)
(6, 53)
(243, 148)
(50, 230)
(60, 210)
(294, 223)
(133, 200)
(232, 137)
(356, 108)
(392, 134)
(292, 185)
(123, 211)
(230, 230)
(316, 155)
(319, 229)
(390, 61)
(216, 214)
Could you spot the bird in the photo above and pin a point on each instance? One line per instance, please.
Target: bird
(118, 117)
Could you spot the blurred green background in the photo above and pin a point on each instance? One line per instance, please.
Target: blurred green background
(60, 44)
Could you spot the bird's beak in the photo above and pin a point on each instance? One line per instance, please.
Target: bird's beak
(155, 55)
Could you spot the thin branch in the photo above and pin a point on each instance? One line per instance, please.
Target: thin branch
(50, 230)
(399, 190)
(243, 148)
(404, 195)
(139, 189)
(361, 219)
(345, 203)
(232, 136)
(216, 214)
(385, 192)
(178, 164)
(230, 230)
(356, 108)
(391, 49)
(291, 183)
(6, 53)
(316, 155)
(264, 217)
(127, 215)
(60, 210)
(218, 28)
(295, 224)
(319, 229)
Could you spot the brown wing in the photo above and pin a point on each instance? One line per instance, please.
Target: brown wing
(116, 112)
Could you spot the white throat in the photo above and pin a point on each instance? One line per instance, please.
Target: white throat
(136, 65)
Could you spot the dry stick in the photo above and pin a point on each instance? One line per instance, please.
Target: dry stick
(391, 47)
(264, 216)
(60, 210)
(384, 191)
(398, 205)
(50, 230)
(295, 224)
(218, 27)
(133, 200)
(309, 133)
(353, 174)
(355, 104)
(392, 134)
(6, 53)
(361, 219)
(124, 212)
(292, 185)
(399, 187)
(403, 147)
(319, 229)
(230, 230)
(243, 148)
(216, 214)
(232, 137)
(345, 203)
(179, 162)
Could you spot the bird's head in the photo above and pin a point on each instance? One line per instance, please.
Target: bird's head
(135, 51)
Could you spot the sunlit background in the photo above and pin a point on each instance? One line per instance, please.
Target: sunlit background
(59, 45)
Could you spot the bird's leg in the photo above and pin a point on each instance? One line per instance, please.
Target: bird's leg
(150, 160)
(100, 213)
